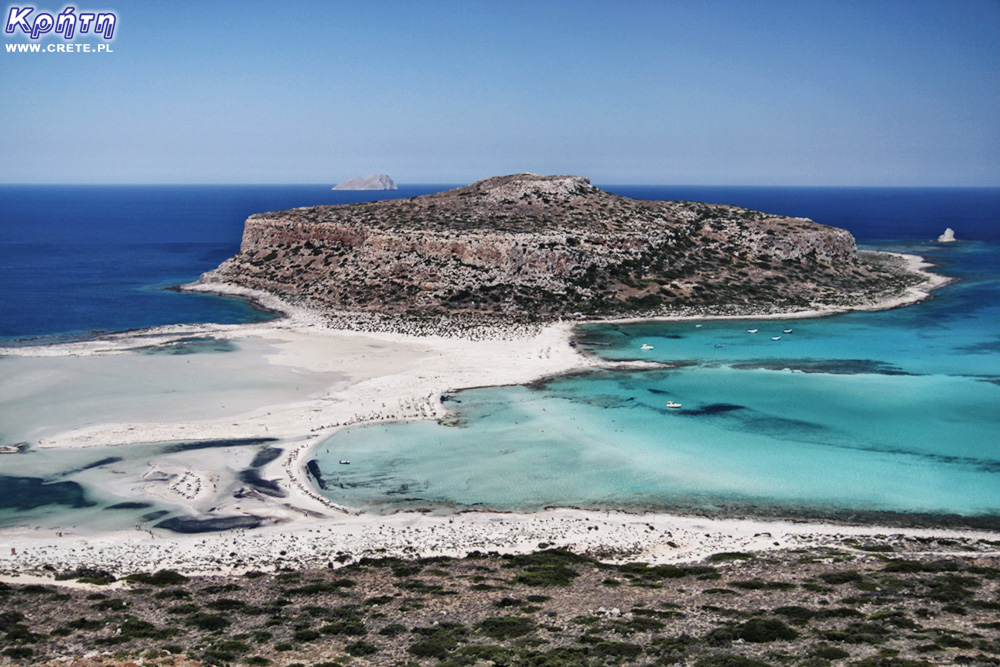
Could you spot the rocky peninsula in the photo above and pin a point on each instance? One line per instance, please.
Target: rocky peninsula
(540, 248)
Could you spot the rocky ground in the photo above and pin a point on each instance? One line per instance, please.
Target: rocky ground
(896, 601)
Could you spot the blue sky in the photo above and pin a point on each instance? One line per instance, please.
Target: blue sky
(694, 92)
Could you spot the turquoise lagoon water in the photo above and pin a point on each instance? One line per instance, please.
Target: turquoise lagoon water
(856, 415)
(870, 416)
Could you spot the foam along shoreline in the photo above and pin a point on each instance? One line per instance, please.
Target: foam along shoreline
(381, 376)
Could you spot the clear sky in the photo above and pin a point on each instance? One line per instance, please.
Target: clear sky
(721, 92)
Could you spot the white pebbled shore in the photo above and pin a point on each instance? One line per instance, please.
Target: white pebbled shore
(369, 377)
(314, 542)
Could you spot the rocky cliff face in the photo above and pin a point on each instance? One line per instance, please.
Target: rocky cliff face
(544, 247)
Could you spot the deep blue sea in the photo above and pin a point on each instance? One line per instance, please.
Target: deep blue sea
(863, 415)
(74, 259)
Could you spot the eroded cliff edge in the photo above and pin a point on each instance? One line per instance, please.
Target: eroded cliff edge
(542, 247)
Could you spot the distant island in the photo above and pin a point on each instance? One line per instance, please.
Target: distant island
(526, 247)
(374, 182)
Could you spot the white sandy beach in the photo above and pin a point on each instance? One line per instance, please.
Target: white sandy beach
(364, 377)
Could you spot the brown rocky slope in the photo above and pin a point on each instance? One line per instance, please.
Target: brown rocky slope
(542, 247)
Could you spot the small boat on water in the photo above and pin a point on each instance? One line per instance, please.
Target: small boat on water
(673, 404)
(775, 337)
(345, 462)
(787, 331)
(646, 346)
(752, 330)
(718, 345)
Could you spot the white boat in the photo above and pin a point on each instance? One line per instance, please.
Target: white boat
(697, 326)
(646, 346)
(787, 331)
(775, 337)
(752, 330)
(345, 462)
(673, 404)
(718, 345)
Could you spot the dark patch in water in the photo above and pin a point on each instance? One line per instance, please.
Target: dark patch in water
(829, 366)
(103, 462)
(265, 456)
(266, 486)
(711, 409)
(26, 493)
(783, 427)
(983, 347)
(190, 345)
(313, 469)
(129, 505)
(991, 466)
(153, 516)
(405, 488)
(209, 444)
(96, 464)
(188, 525)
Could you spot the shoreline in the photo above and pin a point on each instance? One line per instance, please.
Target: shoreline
(388, 377)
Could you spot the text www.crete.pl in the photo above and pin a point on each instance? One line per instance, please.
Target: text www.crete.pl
(59, 48)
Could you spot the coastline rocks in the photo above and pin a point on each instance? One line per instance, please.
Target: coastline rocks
(948, 236)
(375, 182)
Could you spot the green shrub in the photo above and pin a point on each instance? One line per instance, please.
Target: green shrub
(361, 648)
(18, 652)
(306, 635)
(725, 556)
(843, 577)
(438, 641)
(506, 627)
(133, 628)
(554, 574)
(158, 578)
(618, 650)
(761, 630)
(20, 634)
(207, 622)
(828, 652)
(9, 618)
(226, 604)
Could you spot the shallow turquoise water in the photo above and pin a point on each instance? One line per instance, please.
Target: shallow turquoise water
(860, 415)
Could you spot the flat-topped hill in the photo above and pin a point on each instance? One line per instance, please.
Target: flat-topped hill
(543, 247)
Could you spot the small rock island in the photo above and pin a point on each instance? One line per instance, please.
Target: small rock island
(526, 247)
(375, 182)
(948, 236)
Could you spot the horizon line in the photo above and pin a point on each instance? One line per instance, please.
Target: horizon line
(447, 184)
